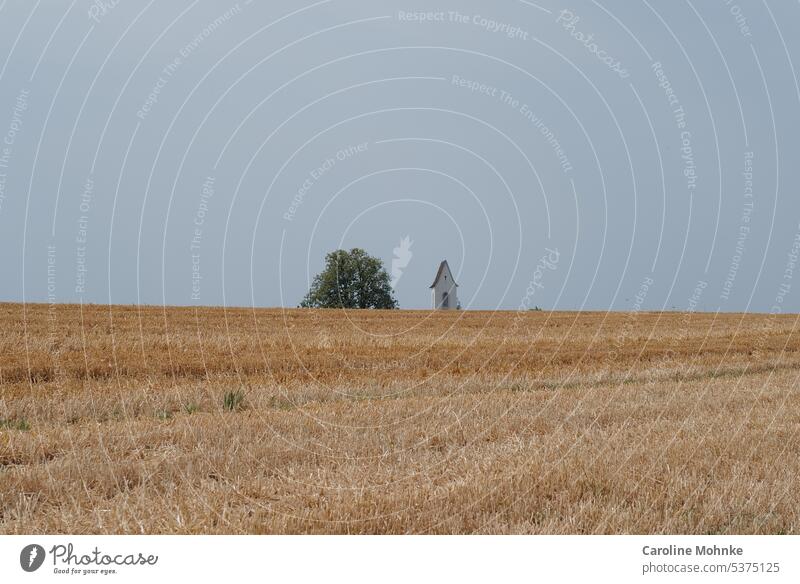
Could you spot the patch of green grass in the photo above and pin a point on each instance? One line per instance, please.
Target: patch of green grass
(164, 415)
(20, 424)
(233, 400)
(191, 408)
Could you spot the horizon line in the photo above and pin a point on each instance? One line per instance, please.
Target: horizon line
(251, 307)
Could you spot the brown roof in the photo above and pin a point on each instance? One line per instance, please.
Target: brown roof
(439, 273)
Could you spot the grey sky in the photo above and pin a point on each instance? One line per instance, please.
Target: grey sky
(146, 144)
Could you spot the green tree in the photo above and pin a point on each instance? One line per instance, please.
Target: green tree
(351, 279)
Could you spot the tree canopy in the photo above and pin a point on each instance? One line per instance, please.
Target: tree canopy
(351, 279)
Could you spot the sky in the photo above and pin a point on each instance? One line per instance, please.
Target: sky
(592, 155)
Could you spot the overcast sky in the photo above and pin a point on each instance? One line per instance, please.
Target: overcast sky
(199, 152)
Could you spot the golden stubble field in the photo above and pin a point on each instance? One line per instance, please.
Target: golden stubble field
(150, 420)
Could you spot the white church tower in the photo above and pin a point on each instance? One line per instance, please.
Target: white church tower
(445, 295)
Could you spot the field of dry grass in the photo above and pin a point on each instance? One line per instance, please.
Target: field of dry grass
(146, 420)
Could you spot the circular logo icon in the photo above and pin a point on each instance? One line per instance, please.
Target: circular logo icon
(31, 557)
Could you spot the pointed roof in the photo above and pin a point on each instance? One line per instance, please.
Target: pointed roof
(442, 266)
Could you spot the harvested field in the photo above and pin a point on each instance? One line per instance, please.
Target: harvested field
(181, 420)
